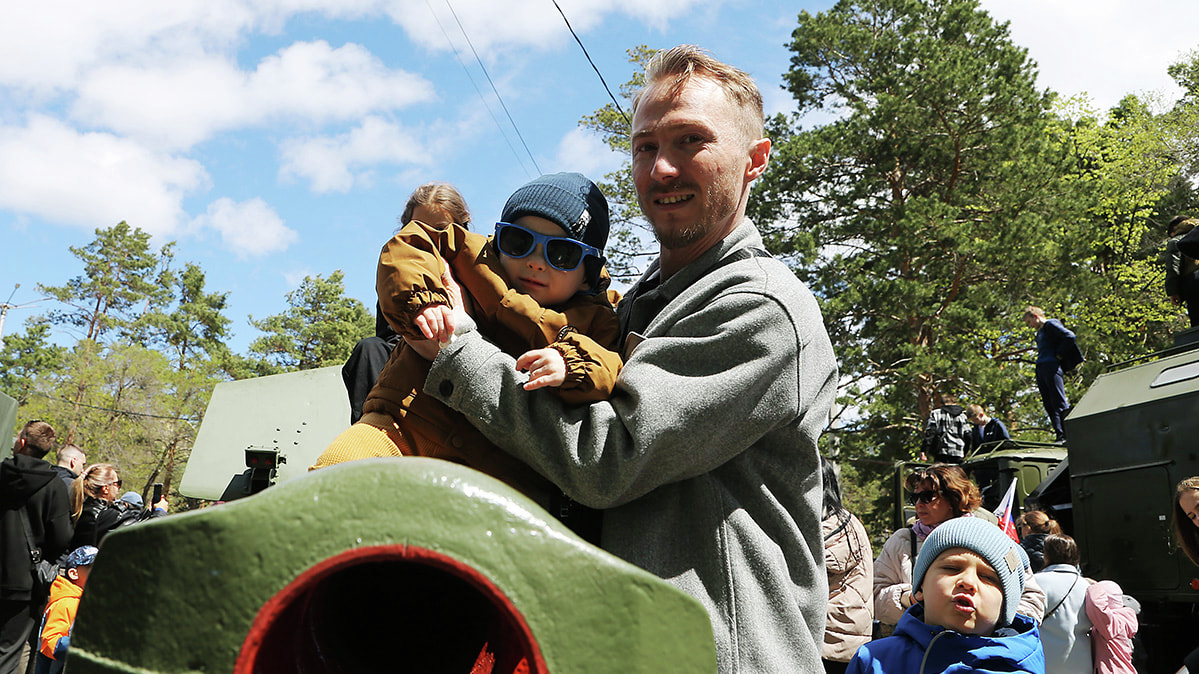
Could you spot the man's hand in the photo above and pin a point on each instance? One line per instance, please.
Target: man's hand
(1175, 299)
(546, 367)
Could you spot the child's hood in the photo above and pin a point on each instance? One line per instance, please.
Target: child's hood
(1013, 648)
(62, 587)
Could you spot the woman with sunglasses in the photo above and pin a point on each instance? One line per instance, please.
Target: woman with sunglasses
(939, 492)
(92, 496)
(536, 289)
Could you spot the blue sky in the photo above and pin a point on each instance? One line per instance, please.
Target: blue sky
(274, 139)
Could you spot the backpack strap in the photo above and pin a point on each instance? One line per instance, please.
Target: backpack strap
(1063, 599)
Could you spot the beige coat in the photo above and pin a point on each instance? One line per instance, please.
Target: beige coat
(850, 567)
(893, 577)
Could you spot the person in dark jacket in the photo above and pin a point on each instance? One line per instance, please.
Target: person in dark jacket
(1182, 270)
(436, 204)
(28, 485)
(1034, 527)
(92, 497)
(1057, 354)
(987, 429)
(71, 460)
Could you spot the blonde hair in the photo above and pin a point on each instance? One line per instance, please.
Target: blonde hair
(89, 483)
(1034, 311)
(1039, 523)
(675, 67)
(1186, 532)
(443, 196)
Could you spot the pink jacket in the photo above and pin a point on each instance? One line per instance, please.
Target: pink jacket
(1114, 626)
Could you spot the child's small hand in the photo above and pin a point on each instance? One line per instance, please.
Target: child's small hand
(436, 321)
(546, 367)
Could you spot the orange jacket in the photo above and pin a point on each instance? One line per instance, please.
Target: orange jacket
(59, 615)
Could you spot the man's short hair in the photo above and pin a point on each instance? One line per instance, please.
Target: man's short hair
(675, 67)
(68, 452)
(1034, 311)
(39, 438)
(974, 411)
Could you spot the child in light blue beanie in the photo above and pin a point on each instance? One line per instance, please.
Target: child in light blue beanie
(968, 580)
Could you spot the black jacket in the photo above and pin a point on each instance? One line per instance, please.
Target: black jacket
(33, 483)
(100, 517)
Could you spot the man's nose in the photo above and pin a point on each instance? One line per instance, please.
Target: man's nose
(665, 168)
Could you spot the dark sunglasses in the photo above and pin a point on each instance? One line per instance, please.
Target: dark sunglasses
(927, 496)
(560, 252)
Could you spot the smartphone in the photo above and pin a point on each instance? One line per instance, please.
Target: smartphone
(157, 495)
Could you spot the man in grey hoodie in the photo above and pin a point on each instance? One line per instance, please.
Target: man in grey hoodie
(704, 459)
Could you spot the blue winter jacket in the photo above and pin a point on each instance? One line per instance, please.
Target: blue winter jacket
(919, 648)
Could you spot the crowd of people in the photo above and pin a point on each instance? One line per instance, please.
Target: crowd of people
(54, 517)
(953, 576)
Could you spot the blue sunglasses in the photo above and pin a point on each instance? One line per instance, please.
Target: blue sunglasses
(560, 252)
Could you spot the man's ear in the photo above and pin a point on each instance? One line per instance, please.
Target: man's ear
(759, 156)
(73, 574)
(918, 596)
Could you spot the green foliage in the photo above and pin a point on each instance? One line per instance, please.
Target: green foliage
(320, 327)
(630, 245)
(27, 357)
(122, 277)
(124, 404)
(194, 327)
(924, 216)
(947, 194)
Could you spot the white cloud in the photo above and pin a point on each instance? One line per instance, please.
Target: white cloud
(336, 164)
(1106, 48)
(52, 171)
(502, 26)
(249, 228)
(583, 151)
(184, 102)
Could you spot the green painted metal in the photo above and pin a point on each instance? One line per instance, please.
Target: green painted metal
(297, 413)
(1029, 463)
(8, 417)
(1132, 438)
(179, 594)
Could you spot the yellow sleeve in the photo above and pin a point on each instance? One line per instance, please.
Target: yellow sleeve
(410, 269)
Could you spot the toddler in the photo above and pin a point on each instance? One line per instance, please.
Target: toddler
(968, 580)
(59, 616)
(536, 289)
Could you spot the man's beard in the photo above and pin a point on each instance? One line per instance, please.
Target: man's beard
(713, 206)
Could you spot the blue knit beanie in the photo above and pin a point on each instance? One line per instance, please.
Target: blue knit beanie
(987, 541)
(569, 200)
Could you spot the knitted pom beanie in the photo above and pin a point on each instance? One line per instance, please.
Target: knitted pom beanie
(987, 541)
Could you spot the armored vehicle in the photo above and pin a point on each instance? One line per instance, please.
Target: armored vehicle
(1132, 437)
(993, 467)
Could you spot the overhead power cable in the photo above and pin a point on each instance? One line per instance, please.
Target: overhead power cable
(493, 87)
(593, 66)
(479, 91)
(126, 413)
